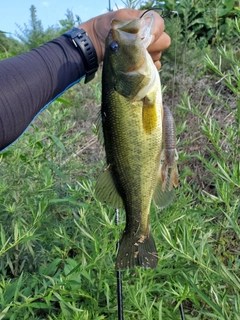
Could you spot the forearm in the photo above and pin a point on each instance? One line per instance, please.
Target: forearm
(29, 82)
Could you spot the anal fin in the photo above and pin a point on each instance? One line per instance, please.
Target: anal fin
(162, 197)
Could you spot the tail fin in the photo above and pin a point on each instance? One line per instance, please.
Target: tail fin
(137, 252)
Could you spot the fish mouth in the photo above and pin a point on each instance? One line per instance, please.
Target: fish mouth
(130, 29)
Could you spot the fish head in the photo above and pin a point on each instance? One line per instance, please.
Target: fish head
(129, 63)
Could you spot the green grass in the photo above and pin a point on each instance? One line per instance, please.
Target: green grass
(58, 243)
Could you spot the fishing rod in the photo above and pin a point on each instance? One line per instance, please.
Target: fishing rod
(181, 312)
(119, 277)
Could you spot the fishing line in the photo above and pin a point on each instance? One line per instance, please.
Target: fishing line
(158, 8)
(174, 77)
(181, 310)
(153, 8)
(119, 277)
(169, 14)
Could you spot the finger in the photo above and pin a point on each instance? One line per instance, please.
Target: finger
(158, 64)
(162, 43)
(156, 55)
(158, 27)
(127, 14)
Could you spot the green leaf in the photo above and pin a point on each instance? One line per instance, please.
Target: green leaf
(68, 200)
(223, 11)
(229, 3)
(63, 101)
(4, 312)
(65, 310)
(57, 141)
(17, 288)
(205, 297)
(61, 175)
(51, 268)
(39, 305)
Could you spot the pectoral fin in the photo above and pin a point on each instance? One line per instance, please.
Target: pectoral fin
(105, 189)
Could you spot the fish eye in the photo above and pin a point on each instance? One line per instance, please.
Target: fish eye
(114, 46)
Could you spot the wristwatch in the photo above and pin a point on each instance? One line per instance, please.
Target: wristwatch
(86, 49)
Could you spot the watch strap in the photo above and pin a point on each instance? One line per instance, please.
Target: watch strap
(86, 49)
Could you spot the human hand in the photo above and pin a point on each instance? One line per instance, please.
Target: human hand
(98, 28)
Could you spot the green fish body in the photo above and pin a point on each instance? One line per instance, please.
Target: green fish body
(131, 115)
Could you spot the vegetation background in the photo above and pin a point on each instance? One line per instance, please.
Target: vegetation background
(58, 242)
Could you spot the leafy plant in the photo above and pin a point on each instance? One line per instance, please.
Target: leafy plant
(132, 3)
(207, 21)
(58, 242)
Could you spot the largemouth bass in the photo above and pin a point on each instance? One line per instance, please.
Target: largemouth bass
(131, 121)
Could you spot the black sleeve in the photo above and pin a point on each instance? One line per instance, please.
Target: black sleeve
(31, 81)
